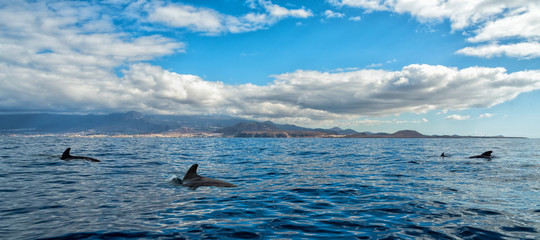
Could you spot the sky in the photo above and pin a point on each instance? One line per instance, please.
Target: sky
(435, 66)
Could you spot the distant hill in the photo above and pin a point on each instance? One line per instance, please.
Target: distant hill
(115, 123)
(233, 131)
(131, 123)
(398, 134)
(271, 130)
(138, 123)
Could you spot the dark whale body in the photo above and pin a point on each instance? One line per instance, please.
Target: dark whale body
(66, 156)
(193, 180)
(486, 155)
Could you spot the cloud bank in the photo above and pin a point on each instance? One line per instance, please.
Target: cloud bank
(300, 96)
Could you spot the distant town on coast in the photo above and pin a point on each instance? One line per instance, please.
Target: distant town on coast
(136, 124)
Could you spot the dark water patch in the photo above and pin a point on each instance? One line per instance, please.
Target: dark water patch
(278, 173)
(483, 212)
(306, 191)
(478, 233)
(108, 206)
(320, 205)
(17, 211)
(61, 182)
(345, 224)
(425, 232)
(115, 235)
(309, 153)
(245, 235)
(223, 155)
(519, 229)
(11, 147)
(448, 189)
(8, 190)
(297, 212)
(50, 207)
(122, 171)
(362, 226)
(397, 175)
(390, 210)
(379, 212)
(305, 228)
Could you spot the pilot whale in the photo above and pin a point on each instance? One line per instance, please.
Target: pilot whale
(192, 180)
(486, 155)
(66, 156)
(443, 155)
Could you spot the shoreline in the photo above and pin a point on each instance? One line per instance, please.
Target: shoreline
(219, 135)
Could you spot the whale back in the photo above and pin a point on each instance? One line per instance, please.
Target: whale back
(194, 180)
(192, 172)
(66, 154)
(487, 154)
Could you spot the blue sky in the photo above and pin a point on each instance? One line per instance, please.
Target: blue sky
(438, 67)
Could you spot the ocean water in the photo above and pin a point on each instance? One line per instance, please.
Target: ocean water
(288, 189)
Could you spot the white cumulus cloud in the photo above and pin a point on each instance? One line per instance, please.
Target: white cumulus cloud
(209, 21)
(331, 14)
(35, 34)
(518, 50)
(487, 115)
(458, 117)
(490, 21)
(197, 19)
(356, 18)
(523, 22)
(367, 4)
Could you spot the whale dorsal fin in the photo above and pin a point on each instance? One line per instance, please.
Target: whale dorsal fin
(66, 154)
(192, 172)
(487, 154)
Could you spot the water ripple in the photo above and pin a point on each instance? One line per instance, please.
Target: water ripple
(288, 189)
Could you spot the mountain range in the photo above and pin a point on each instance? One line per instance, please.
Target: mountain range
(136, 123)
(115, 123)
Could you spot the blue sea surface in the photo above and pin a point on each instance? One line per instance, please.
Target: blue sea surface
(287, 189)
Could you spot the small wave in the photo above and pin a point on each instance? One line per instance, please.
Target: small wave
(115, 235)
(174, 180)
(483, 212)
(478, 233)
(519, 229)
(308, 153)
